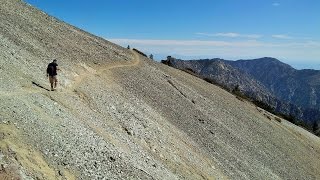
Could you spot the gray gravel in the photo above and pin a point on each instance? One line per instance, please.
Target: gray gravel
(117, 115)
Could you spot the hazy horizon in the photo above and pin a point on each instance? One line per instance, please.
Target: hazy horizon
(297, 64)
(229, 29)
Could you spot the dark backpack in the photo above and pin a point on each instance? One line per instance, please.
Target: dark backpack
(50, 69)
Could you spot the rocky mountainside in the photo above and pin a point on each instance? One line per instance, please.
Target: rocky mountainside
(297, 87)
(225, 75)
(265, 80)
(119, 115)
(300, 87)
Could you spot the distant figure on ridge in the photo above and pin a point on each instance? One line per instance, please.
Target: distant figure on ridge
(128, 47)
(52, 74)
(151, 56)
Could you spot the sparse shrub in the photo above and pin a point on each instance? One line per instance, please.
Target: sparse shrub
(239, 95)
(168, 61)
(236, 90)
(164, 62)
(289, 118)
(264, 106)
(191, 71)
(211, 81)
(316, 128)
(241, 99)
(267, 116)
(277, 119)
(141, 53)
(297, 122)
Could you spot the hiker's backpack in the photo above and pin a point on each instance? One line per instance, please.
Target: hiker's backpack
(50, 69)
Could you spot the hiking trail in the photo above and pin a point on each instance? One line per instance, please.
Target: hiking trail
(78, 80)
(83, 76)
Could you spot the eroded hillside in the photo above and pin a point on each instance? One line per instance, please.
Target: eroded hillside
(118, 115)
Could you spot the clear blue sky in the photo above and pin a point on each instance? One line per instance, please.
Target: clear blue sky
(232, 29)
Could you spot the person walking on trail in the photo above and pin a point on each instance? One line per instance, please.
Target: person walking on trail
(52, 74)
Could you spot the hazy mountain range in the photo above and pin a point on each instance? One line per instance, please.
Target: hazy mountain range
(289, 91)
(299, 65)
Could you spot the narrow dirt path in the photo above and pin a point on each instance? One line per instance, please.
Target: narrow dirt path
(82, 77)
(78, 80)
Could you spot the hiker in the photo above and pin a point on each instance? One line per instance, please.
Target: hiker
(151, 56)
(52, 74)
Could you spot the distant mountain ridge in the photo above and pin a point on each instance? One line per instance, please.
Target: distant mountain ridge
(225, 75)
(300, 87)
(287, 90)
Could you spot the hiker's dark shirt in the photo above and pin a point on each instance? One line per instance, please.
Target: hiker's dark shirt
(52, 69)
